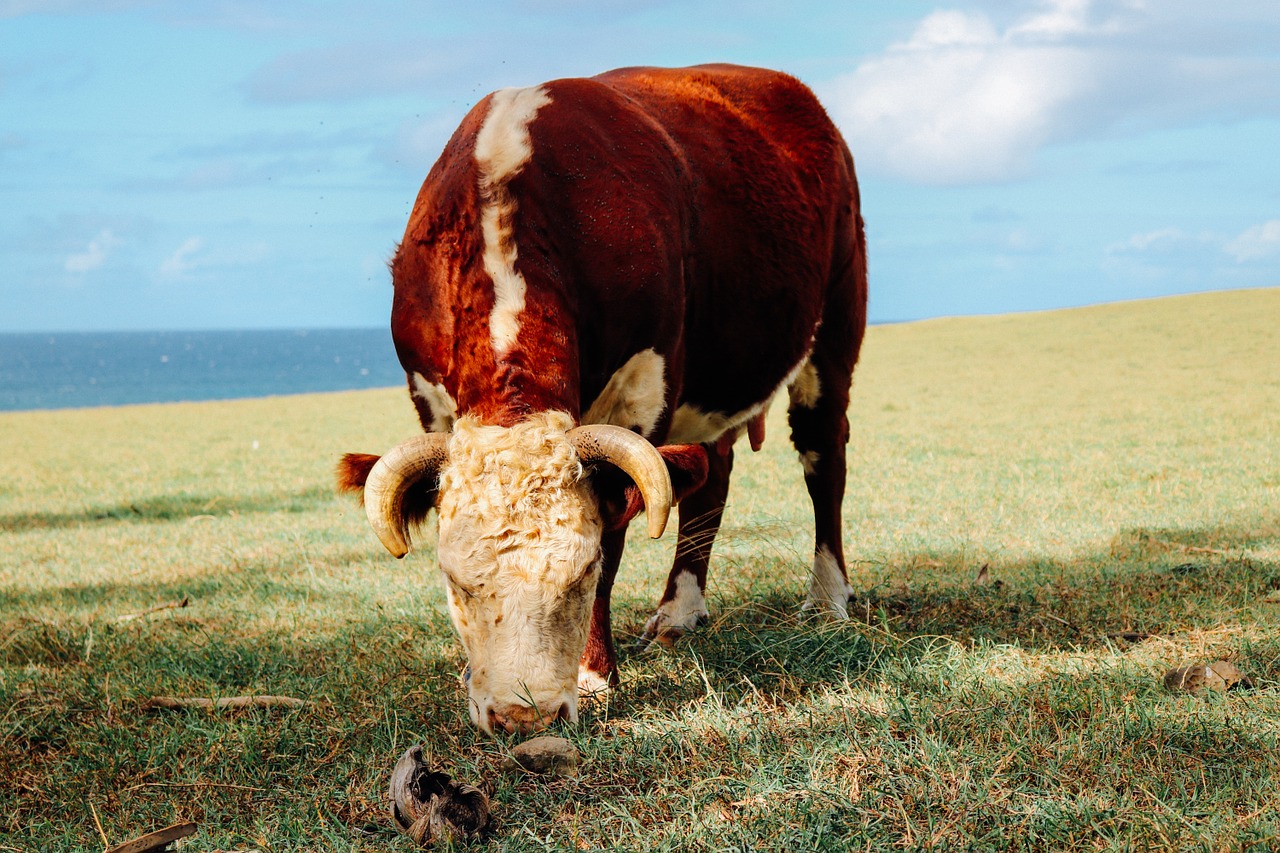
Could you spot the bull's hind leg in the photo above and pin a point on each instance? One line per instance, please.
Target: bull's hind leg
(684, 603)
(820, 431)
(819, 413)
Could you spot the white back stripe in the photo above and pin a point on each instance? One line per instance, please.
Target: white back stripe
(503, 147)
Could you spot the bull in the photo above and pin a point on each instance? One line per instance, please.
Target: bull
(603, 283)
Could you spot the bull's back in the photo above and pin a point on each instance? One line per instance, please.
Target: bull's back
(774, 204)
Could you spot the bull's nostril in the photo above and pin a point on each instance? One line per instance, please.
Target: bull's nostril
(523, 719)
(498, 721)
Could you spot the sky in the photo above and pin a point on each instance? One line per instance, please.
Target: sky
(210, 164)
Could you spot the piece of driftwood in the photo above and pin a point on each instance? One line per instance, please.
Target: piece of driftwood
(428, 806)
(172, 605)
(225, 703)
(155, 842)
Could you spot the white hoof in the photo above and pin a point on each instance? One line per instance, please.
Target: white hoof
(829, 592)
(675, 618)
(666, 626)
(591, 685)
(835, 608)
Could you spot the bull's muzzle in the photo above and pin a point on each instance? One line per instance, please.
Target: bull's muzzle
(525, 719)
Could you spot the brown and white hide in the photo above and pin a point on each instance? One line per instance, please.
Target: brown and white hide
(661, 250)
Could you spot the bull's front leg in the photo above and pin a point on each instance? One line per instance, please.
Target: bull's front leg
(598, 669)
(684, 603)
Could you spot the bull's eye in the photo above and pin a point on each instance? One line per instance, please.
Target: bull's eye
(469, 591)
(591, 571)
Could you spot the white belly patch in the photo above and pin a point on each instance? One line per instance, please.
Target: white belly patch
(691, 425)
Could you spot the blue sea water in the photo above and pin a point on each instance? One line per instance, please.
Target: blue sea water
(76, 369)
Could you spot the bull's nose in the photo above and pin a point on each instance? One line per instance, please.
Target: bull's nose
(524, 719)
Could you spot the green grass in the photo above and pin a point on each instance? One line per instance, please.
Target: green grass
(1116, 469)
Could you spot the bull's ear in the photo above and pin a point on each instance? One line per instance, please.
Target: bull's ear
(419, 500)
(353, 471)
(620, 499)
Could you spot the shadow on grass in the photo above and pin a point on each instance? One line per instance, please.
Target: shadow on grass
(78, 734)
(1157, 582)
(1153, 581)
(378, 682)
(170, 508)
(1146, 582)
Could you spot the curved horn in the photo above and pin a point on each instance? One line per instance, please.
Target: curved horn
(637, 457)
(392, 476)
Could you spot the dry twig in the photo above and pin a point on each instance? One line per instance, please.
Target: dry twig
(1131, 636)
(155, 842)
(226, 702)
(186, 600)
(1195, 549)
(98, 824)
(225, 785)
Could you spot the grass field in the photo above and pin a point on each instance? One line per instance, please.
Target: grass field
(1115, 469)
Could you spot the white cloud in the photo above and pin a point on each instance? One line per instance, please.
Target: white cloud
(181, 261)
(1255, 243)
(94, 255)
(967, 100)
(1160, 238)
(950, 29)
(1166, 241)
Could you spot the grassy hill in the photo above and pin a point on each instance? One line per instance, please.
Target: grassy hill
(1115, 469)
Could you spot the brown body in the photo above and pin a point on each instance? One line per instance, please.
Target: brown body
(662, 249)
(705, 213)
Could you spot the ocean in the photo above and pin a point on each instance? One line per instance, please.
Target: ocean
(77, 369)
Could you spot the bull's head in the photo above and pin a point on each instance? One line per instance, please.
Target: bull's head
(519, 546)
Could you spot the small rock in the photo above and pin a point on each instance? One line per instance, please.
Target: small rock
(543, 755)
(1220, 675)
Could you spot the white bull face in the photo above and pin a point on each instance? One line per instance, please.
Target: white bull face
(519, 547)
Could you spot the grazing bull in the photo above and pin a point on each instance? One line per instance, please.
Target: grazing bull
(603, 283)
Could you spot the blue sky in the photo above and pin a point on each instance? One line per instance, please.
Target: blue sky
(228, 164)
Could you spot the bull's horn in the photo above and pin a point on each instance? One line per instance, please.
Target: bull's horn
(637, 457)
(392, 476)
